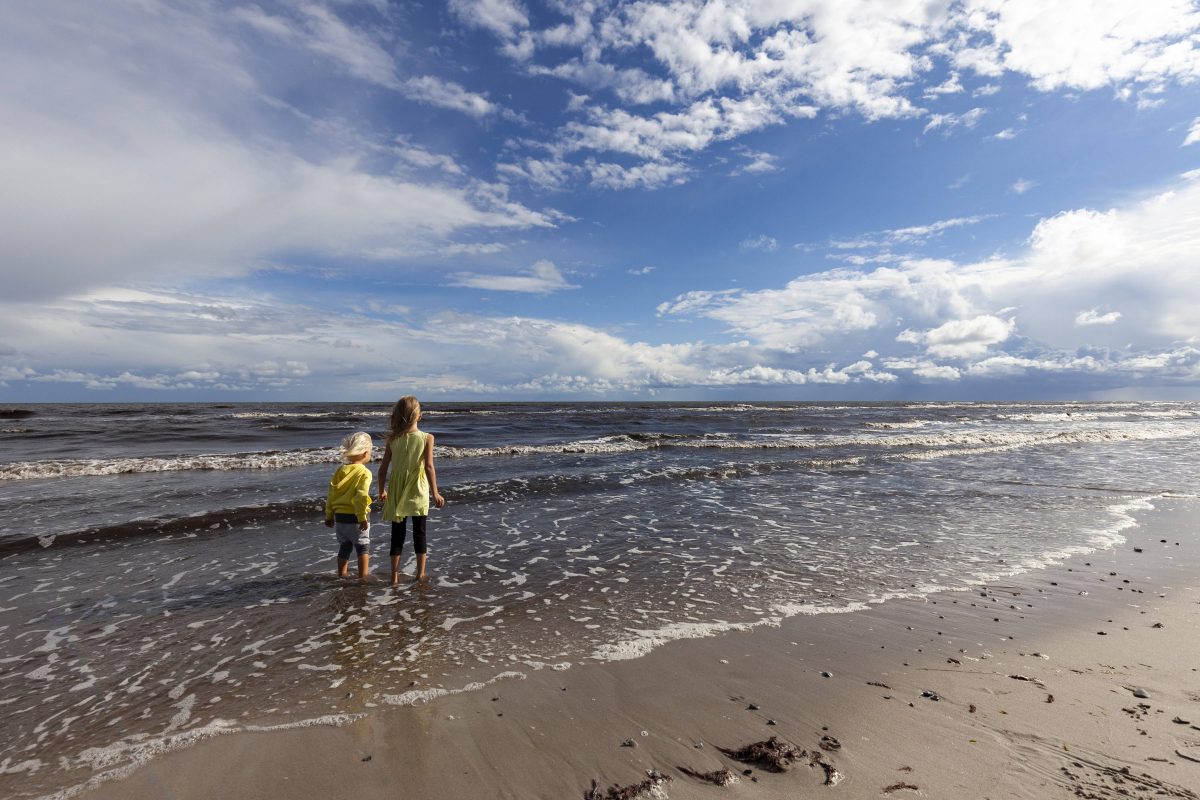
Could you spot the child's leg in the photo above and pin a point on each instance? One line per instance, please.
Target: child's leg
(399, 530)
(419, 545)
(364, 565)
(343, 557)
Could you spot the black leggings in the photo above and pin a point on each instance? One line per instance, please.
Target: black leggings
(398, 533)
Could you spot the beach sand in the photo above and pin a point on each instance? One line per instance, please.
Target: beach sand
(1030, 700)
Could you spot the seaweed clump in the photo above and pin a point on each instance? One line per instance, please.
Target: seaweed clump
(773, 754)
(649, 789)
(718, 777)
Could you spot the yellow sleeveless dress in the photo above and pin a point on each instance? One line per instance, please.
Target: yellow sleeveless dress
(408, 485)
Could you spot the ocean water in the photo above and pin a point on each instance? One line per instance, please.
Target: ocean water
(167, 576)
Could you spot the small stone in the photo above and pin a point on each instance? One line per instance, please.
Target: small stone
(366, 758)
(699, 745)
(1140, 692)
(771, 722)
(826, 674)
(1181, 721)
(752, 707)
(629, 743)
(1157, 625)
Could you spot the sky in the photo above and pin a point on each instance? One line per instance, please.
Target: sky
(549, 200)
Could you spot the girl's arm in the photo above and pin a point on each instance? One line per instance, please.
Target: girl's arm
(438, 500)
(383, 469)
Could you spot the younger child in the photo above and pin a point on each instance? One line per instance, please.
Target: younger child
(348, 504)
(413, 479)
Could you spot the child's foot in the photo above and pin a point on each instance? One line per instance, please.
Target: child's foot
(421, 577)
(395, 579)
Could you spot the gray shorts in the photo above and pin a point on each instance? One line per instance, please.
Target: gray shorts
(348, 533)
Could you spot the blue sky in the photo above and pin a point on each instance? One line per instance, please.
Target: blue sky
(492, 199)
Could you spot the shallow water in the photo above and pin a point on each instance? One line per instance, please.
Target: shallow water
(167, 572)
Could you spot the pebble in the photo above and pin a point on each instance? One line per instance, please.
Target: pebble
(826, 674)
(629, 743)
(752, 707)
(1140, 692)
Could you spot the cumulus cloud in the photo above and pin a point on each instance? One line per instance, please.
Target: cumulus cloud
(543, 277)
(1094, 317)
(1022, 185)
(1142, 255)
(961, 338)
(726, 68)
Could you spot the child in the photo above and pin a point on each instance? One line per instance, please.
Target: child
(406, 495)
(348, 504)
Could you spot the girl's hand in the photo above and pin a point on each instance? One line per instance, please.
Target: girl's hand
(438, 500)
(328, 523)
(364, 525)
(383, 495)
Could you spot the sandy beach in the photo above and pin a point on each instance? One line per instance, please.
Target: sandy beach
(1079, 680)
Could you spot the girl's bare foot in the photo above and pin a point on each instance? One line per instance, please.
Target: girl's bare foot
(395, 579)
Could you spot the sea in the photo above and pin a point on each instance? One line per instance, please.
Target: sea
(165, 574)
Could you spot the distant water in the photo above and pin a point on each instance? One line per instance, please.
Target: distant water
(166, 574)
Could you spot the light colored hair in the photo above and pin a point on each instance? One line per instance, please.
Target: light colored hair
(405, 414)
(356, 444)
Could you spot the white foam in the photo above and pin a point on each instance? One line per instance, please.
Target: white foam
(415, 696)
(120, 759)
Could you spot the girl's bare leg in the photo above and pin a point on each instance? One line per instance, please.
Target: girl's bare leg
(364, 563)
(343, 567)
(395, 570)
(421, 566)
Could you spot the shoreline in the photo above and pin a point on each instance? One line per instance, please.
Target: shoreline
(550, 734)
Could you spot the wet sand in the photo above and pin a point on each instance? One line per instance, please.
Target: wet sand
(1024, 689)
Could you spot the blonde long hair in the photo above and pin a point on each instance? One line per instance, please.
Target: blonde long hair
(405, 414)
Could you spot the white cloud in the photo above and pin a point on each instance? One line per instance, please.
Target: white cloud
(505, 18)
(114, 174)
(648, 175)
(913, 234)
(1094, 317)
(961, 338)
(447, 94)
(641, 271)
(1005, 135)
(1022, 185)
(1193, 134)
(757, 163)
(946, 122)
(795, 59)
(1141, 256)
(762, 242)
(543, 277)
(1106, 45)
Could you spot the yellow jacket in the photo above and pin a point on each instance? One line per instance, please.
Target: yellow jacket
(349, 492)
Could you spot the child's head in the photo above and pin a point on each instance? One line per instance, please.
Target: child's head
(405, 414)
(355, 446)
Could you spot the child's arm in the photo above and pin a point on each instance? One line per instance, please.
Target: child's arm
(362, 499)
(329, 506)
(383, 470)
(438, 500)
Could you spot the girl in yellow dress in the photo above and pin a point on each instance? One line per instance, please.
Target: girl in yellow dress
(406, 493)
